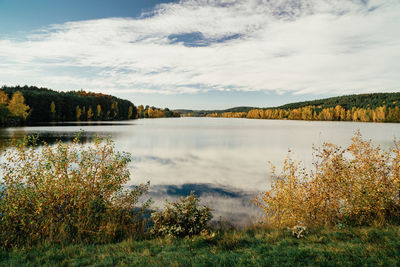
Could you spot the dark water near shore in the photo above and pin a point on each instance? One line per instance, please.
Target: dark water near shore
(223, 160)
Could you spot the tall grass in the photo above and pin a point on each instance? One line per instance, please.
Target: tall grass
(352, 246)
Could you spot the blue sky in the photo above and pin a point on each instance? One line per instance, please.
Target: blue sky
(203, 54)
(27, 15)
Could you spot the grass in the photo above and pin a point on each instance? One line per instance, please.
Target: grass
(352, 246)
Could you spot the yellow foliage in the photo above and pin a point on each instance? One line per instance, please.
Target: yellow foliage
(213, 115)
(130, 112)
(17, 105)
(358, 185)
(338, 113)
(67, 192)
(78, 113)
(98, 111)
(90, 114)
(52, 107)
(114, 108)
(231, 115)
(155, 113)
(3, 98)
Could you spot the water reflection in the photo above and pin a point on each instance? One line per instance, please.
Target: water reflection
(223, 160)
(201, 189)
(228, 203)
(6, 137)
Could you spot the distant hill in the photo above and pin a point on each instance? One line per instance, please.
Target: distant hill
(390, 100)
(377, 107)
(203, 113)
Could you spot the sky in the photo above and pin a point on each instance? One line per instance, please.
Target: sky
(203, 54)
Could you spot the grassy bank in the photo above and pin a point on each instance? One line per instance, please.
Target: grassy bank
(365, 246)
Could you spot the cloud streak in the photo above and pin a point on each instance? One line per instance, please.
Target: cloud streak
(295, 46)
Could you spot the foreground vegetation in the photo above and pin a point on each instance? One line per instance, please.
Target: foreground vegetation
(364, 246)
(357, 185)
(67, 205)
(67, 193)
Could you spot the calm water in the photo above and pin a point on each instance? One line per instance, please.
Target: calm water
(223, 160)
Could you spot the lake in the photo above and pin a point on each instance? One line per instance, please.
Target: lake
(225, 161)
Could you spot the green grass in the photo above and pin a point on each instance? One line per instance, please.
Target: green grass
(365, 246)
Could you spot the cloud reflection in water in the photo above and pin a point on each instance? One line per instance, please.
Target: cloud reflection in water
(231, 204)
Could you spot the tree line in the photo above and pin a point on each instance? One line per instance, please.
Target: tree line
(381, 107)
(153, 112)
(312, 113)
(29, 104)
(390, 100)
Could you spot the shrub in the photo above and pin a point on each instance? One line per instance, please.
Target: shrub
(181, 218)
(298, 231)
(357, 185)
(67, 193)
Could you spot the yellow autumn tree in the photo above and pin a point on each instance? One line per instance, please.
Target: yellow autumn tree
(90, 114)
(130, 112)
(78, 113)
(114, 108)
(255, 114)
(307, 113)
(53, 107)
(53, 110)
(3, 98)
(98, 112)
(17, 106)
(393, 114)
(340, 113)
(295, 114)
(212, 115)
(379, 114)
(349, 115)
(140, 111)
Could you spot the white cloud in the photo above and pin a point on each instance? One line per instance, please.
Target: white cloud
(320, 46)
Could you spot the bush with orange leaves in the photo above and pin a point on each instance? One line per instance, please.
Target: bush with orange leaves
(67, 193)
(357, 185)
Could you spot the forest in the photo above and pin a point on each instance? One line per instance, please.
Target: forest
(378, 107)
(390, 100)
(46, 105)
(30, 105)
(153, 112)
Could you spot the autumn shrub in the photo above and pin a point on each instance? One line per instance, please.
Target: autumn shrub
(181, 218)
(67, 193)
(357, 185)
